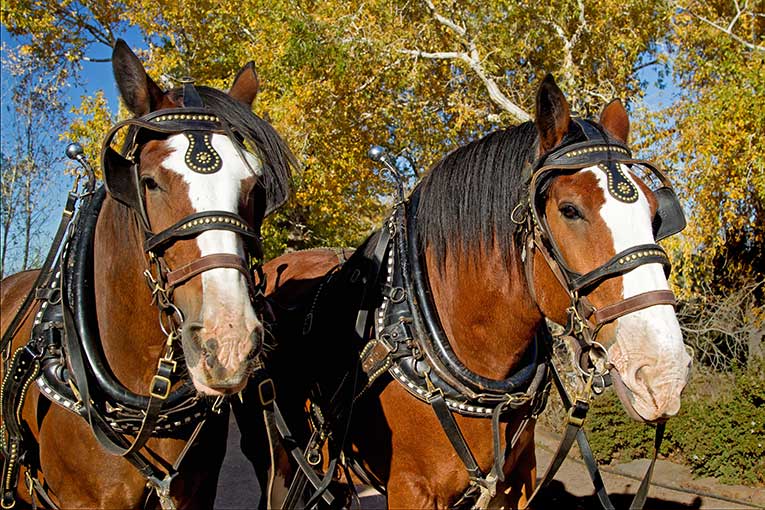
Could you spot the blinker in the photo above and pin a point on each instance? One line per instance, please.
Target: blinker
(669, 219)
(610, 155)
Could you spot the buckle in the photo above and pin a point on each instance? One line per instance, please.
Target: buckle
(433, 395)
(578, 413)
(165, 364)
(160, 387)
(266, 392)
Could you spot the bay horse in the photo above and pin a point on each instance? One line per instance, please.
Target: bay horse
(147, 368)
(422, 357)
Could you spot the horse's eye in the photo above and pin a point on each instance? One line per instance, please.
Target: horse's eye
(570, 212)
(149, 183)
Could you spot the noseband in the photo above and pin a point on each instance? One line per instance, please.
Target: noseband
(584, 319)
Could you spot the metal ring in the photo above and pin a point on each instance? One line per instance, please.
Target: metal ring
(513, 214)
(313, 457)
(175, 312)
(55, 296)
(593, 345)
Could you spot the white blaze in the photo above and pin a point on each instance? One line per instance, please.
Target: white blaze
(649, 352)
(225, 292)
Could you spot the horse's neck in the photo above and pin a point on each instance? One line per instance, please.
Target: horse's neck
(127, 319)
(485, 309)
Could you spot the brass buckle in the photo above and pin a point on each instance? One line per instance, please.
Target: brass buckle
(267, 397)
(160, 380)
(167, 361)
(574, 415)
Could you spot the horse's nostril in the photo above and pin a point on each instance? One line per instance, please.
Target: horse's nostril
(210, 360)
(211, 344)
(639, 376)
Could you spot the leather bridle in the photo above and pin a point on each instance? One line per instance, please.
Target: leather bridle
(584, 319)
(121, 176)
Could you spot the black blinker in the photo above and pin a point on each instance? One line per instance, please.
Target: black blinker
(669, 219)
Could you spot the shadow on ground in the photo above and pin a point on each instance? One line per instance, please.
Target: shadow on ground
(556, 496)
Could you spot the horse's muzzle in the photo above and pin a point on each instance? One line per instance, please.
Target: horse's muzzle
(220, 362)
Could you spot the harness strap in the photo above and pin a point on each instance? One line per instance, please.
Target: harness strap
(18, 319)
(577, 414)
(23, 369)
(196, 224)
(35, 487)
(206, 263)
(454, 434)
(584, 448)
(377, 258)
(274, 415)
(621, 263)
(632, 304)
(593, 471)
(106, 436)
(640, 496)
(321, 489)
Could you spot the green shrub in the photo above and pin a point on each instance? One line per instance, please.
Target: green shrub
(724, 437)
(718, 433)
(614, 436)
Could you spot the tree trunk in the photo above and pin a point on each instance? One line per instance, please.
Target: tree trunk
(27, 216)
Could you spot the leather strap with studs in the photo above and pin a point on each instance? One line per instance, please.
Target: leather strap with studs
(197, 223)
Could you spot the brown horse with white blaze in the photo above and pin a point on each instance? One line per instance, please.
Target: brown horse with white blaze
(434, 328)
(182, 210)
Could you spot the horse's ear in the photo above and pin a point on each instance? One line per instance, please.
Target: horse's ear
(614, 119)
(139, 92)
(553, 114)
(246, 84)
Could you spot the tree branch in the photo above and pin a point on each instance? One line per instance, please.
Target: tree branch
(451, 25)
(729, 30)
(473, 59)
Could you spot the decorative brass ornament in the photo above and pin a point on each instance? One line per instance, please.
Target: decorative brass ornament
(201, 157)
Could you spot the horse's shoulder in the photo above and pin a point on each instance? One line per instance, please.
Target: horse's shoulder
(14, 288)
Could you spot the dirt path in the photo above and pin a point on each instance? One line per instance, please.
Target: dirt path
(571, 490)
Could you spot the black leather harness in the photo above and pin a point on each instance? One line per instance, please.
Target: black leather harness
(408, 343)
(64, 359)
(411, 346)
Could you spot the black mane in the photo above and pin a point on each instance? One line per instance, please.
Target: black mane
(252, 134)
(467, 199)
(259, 137)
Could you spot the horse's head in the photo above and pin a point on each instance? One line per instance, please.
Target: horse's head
(200, 171)
(596, 223)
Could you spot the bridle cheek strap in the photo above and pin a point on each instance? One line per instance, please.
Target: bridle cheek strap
(206, 263)
(606, 314)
